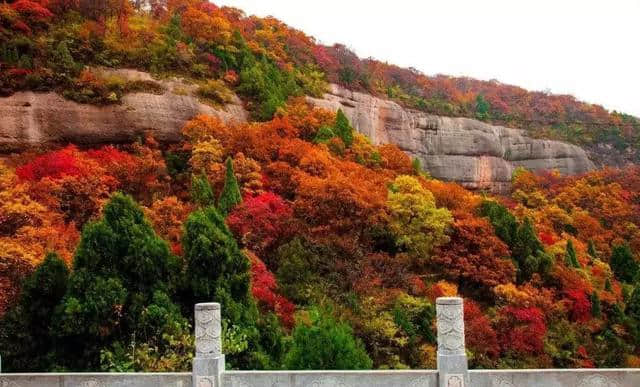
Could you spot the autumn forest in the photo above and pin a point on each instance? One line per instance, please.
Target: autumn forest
(325, 250)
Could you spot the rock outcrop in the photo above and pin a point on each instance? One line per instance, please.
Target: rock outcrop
(471, 152)
(30, 118)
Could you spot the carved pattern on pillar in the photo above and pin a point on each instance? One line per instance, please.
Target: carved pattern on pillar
(328, 382)
(599, 381)
(208, 330)
(450, 323)
(455, 380)
(420, 382)
(238, 383)
(503, 383)
(206, 382)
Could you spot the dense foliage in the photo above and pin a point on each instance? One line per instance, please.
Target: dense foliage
(46, 45)
(325, 250)
(357, 251)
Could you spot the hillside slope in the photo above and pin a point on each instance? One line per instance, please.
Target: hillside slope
(467, 151)
(265, 62)
(326, 248)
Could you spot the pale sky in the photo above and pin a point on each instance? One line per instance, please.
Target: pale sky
(587, 48)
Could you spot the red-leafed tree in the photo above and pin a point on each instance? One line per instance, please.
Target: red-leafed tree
(264, 287)
(521, 330)
(32, 11)
(480, 336)
(546, 237)
(53, 164)
(579, 305)
(261, 221)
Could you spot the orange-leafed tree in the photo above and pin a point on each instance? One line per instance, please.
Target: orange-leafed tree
(475, 257)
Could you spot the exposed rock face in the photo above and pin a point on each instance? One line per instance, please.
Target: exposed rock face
(37, 118)
(473, 153)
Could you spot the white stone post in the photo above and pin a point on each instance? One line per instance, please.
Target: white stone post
(208, 364)
(452, 358)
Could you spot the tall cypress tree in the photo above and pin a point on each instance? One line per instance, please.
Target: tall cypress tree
(26, 338)
(342, 128)
(230, 195)
(217, 270)
(482, 108)
(216, 267)
(529, 253)
(119, 266)
(201, 192)
(591, 249)
(596, 309)
(504, 223)
(570, 258)
(623, 264)
(633, 304)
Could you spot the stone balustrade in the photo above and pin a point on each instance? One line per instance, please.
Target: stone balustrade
(209, 367)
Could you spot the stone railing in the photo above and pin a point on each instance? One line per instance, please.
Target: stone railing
(209, 367)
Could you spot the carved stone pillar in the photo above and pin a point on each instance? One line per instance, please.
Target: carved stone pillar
(208, 364)
(452, 358)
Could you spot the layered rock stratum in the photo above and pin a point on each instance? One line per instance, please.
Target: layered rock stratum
(468, 151)
(30, 118)
(473, 153)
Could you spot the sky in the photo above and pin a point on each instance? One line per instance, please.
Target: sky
(587, 48)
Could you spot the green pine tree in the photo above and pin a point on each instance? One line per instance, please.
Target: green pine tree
(633, 304)
(591, 249)
(323, 135)
(217, 270)
(119, 266)
(201, 192)
(607, 285)
(624, 266)
(25, 331)
(230, 195)
(482, 108)
(62, 61)
(216, 267)
(504, 223)
(528, 252)
(416, 164)
(325, 344)
(596, 309)
(342, 128)
(570, 258)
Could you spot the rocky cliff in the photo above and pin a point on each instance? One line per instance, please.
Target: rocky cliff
(473, 153)
(478, 155)
(36, 118)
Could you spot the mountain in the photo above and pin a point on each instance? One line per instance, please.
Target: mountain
(179, 152)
